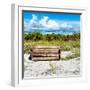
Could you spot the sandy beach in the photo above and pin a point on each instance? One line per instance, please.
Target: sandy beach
(60, 68)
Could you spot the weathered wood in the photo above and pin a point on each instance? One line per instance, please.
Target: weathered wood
(45, 53)
(52, 47)
(45, 58)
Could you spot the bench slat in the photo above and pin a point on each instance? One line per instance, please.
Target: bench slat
(45, 51)
(45, 47)
(45, 55)
(45, 58)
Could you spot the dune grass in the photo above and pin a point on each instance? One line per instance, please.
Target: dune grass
(64, 45)
(73, 46)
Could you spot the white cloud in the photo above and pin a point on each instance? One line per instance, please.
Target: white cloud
(25, 24)
(51, 24)
(46, 23)
(43, 21)
(33, 21)
(66, 25)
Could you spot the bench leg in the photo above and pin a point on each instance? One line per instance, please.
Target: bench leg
(30, 57)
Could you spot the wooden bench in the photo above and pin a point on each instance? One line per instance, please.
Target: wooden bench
(45, 53)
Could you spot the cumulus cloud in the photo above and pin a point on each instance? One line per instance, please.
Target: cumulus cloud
(53, 24)
(66, 25)
(43, 21)
(33, 20)
(46, 23)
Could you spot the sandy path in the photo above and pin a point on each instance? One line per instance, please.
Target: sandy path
(51, 68)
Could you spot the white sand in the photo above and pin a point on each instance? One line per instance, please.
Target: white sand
(51, 68)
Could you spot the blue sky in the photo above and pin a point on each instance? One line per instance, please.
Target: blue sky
(46, 23)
